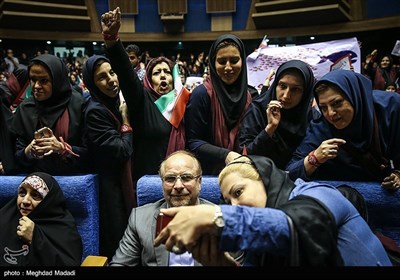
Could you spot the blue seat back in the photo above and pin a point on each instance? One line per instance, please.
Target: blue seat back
(383, 206)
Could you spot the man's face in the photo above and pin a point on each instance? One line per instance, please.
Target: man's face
(133, 58)
(181, 181)
(10, 53)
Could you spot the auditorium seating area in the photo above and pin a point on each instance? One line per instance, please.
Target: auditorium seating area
(383, 206)
(81, 193)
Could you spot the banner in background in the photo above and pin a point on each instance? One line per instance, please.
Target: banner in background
(396, 48)
(319, 56)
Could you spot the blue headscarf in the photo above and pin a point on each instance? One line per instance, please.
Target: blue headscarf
(367, 102)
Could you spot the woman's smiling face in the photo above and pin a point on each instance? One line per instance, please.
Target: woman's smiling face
(336, 108)
(237, 190)
(228, 64)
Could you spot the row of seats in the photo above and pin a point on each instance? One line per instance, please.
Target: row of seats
(81, 193)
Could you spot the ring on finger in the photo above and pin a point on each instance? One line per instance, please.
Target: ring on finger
(176, 250)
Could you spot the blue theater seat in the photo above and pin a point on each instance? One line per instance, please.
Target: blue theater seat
(383, 206)
(81, 193)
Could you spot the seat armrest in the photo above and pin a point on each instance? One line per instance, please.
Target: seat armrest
(95, 261)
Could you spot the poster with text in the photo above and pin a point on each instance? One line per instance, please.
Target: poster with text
(319, 56)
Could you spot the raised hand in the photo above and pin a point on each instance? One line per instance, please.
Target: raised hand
(273, 112)
(111, 23)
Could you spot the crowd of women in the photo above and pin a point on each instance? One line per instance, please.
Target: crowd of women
(128, 127)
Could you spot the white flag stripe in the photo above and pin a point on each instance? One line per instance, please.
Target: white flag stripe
(320, 57)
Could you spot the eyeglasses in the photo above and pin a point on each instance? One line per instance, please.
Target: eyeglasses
(186, 179)
(42, 82)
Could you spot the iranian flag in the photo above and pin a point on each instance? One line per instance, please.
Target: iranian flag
(173, 104)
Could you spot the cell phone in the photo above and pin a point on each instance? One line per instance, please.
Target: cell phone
(162, 222)
(388, 169)
(44, 132)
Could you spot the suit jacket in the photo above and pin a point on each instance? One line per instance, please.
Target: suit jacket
(136, 246)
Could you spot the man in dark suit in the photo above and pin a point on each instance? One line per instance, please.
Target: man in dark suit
(181, 177)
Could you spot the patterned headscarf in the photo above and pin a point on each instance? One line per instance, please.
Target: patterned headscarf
(36, 183)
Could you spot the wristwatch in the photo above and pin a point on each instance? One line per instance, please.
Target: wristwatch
(218, 220)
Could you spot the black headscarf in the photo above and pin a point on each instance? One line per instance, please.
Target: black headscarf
(313, 223)
(112, 103)
(33, 114)
(277, 183)
(292, 126)
(55, 241)
(232, 98)
(51, 109)
(294, 121)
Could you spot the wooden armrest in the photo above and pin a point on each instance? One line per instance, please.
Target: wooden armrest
(95, 261)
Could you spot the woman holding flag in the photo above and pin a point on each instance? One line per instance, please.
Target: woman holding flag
(159, 103)
(216, 108)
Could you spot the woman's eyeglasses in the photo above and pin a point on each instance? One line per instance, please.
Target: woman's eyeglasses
(186, 179)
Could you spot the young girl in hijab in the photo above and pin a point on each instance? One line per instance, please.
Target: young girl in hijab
(109, 137)
(36, 227)
(277, 120)
(216, 108)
